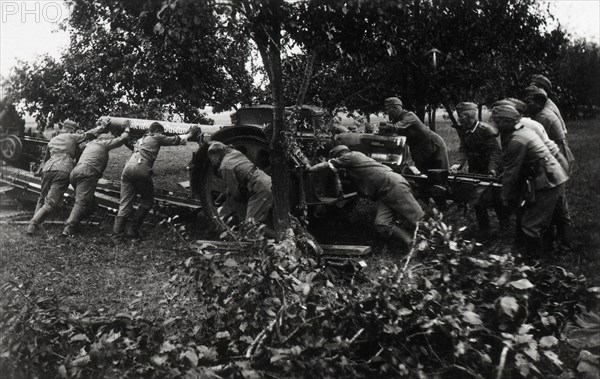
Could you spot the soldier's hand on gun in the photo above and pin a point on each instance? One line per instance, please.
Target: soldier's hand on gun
(454, 168)
(127, 126)
(492, 173)
(104, 123)
(194, 132)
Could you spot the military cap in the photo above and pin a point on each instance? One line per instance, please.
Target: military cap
(520, 106)
(542, 81)
(533, 92)
(337, 150)
(505, 111)
(216, 147)
(466, 106)
(156, 127)
(392, 101)
(70, 125)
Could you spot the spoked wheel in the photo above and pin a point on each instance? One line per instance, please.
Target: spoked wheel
(226, 213)
(11, 148)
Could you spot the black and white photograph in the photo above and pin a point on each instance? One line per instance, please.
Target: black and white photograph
(300, 189)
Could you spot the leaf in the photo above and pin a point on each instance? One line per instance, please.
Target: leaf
(188, 261)
(589, 364)
(553, 357)
(158, 360)
(509, 305)
(166, 347)
(521, 284)
(168, 321)
(222, 335)
(192, 357)
(230, 263)
(587, 335)
(522, 364)
(80, 337)
(548, 341)
(472, 318)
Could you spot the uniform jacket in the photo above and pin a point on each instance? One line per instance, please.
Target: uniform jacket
(551, 124)
(146, 148)
(425, 145)
(527, 157)
(553, 127)
(95, 154)
(63, 148)
(550, 105)
(242, 176)
(480, 146)
(539, 130)
(369, 176)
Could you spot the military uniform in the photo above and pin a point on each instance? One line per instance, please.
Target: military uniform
(62, 151)
(246, 182)
(427, 149)
(538, 129)
(390, 190)
(556, 133)
(480, 148)
(85, 177)
(527, 157)
(136, 178)
(552, 107)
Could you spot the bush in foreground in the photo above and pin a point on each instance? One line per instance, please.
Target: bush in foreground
(458, 312)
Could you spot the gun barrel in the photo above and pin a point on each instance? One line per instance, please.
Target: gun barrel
(173, 128)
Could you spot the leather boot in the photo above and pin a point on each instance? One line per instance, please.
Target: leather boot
(77, 214)
(37, 219)
(533, 247)
(401, 235)
(119, 226)
(564, 234)
(134, 228)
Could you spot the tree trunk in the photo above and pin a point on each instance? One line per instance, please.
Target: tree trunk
(432, 114)
(270, 50)
(451, 115)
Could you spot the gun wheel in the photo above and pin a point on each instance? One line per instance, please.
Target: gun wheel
(11, 148)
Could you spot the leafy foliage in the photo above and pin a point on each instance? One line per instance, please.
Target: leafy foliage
(276, 311)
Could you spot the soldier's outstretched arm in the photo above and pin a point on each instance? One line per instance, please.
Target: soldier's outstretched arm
(321, 166)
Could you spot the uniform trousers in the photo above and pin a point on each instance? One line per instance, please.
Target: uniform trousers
(84, 179)
(54, 185)
(260, 200)
(396, 201)
(136, 179)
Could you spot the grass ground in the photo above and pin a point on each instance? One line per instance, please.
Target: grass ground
(95, 274)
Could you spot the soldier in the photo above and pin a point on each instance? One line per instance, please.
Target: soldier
(536, 127)
(536, 98)
(480, 148)
(544, 83)
(86, 174)
(378, 182)
(137, 177)
(529, 165)
(245, 182)
(59, 161)
(428, 150)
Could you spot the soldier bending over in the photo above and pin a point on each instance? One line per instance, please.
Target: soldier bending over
(378, 182)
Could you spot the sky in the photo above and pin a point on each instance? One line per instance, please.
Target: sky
(29, 28)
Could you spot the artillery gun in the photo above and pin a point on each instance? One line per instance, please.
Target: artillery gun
(17, 148)
(314, 134)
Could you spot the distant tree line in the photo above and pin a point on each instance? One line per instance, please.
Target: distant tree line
(148, 59)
